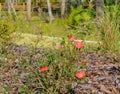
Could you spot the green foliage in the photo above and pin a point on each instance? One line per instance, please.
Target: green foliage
(110, 2)
(80, 15)
(25, 90)
(7, 27)
(110, 30)
(2, 0)
(61, 73)
(54, 0)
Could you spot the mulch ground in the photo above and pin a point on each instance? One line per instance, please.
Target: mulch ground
(103, 72)
(103, 75)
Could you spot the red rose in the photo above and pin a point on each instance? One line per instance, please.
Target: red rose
(80, 74)
(79, 44)
(44, 68)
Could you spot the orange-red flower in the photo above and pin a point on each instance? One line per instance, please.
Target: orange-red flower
(79, 44)
(44, 68)
(71, 39)
(80, 74)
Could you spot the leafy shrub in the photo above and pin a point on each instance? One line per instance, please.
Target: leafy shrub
(60, 75)
(110, 2)
(80, 15)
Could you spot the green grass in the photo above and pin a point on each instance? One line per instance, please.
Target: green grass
(36, 26)
(58, 28)
(36, 41)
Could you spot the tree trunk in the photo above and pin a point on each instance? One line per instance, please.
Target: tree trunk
(28, 10)
(78, 2)
(99, 8)
(50, 11)
(0, 9)
(8, 6)
(13, 8)
(63, 8)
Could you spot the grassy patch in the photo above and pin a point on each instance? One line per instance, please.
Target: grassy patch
(35, 41)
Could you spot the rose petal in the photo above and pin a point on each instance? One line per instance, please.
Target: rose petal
(80, 74)
(44, 68)
(79, 44)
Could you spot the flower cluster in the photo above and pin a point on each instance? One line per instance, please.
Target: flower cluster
(78, 45)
